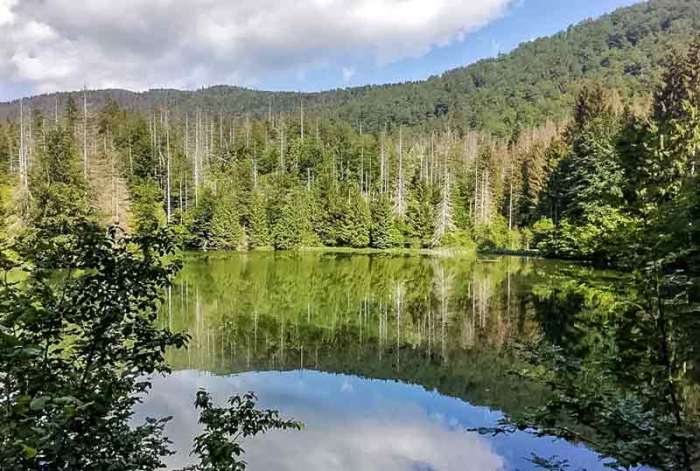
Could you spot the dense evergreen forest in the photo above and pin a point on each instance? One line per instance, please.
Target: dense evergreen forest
(577, 187)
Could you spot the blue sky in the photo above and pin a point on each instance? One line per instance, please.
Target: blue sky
(526, 20)
(356, 423)
(49, 45)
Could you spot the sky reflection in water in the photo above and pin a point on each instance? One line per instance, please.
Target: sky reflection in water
(353, 423)
(399, 329)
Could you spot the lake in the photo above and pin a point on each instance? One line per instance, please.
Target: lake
(388, 360)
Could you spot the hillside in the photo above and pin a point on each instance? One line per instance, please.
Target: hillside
(535, 82)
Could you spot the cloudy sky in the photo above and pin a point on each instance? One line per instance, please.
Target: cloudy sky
(50, 45)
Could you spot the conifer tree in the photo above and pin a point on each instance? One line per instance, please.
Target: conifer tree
(226, 230)
(421, 215)
(444, 223)
(287, 225)
(200, 226)
(355, 221)
(258, 224)
(147, 212)
(383, 232)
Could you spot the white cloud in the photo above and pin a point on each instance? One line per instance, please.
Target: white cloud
(371, 425)
(63, 44)
(348, 73)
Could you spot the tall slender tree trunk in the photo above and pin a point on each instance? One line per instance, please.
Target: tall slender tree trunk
(167, 185)
(85, 151)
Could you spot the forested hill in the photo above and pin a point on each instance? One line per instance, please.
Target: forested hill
(536, 82)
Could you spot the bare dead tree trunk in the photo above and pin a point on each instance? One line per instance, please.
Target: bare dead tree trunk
(85, 152)
(382, 165)
(167, 184)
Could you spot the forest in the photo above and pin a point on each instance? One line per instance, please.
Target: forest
(583, 188)
(536, 83)
(584, 146)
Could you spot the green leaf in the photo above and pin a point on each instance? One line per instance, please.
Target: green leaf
(38, 403)
(29, 452)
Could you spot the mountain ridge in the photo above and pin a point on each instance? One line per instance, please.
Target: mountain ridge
(533, 83)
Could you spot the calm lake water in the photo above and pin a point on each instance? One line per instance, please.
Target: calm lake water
(387, 360)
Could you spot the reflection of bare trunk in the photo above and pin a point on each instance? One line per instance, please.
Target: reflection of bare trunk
(255, 331)
(282, 343)
(398, 295)
(442, 287)
(430, 332)
(170, 308)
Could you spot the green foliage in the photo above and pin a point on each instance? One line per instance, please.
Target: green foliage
(59, 200)
(226, 230)
(623, 173)
(493, 235)
(258, 224)
(460, 239)
(351, 220)
(135, 141)
(602, 235)
(147, 211)
(200, 221)
(74, 350)
(58, 160)
(218, 445)
(421, 214)
(4, 210)
(287, 225)
(383, 231)
(593, 172)
(77, 347)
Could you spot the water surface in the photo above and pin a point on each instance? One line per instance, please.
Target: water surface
(388, 360)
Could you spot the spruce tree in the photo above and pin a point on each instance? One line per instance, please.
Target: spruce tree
(60, 197)
(287, 227)
(258, 224)
(226, 230)
(383, 231)
(355, 221)
(147, 213)
(421, 215)
(200, 226)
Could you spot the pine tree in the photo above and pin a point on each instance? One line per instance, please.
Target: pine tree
(672, 148)
(534, 174)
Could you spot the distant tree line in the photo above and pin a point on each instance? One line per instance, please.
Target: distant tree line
(536, 83)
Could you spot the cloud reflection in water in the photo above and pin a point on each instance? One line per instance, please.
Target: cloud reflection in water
(353, 423)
